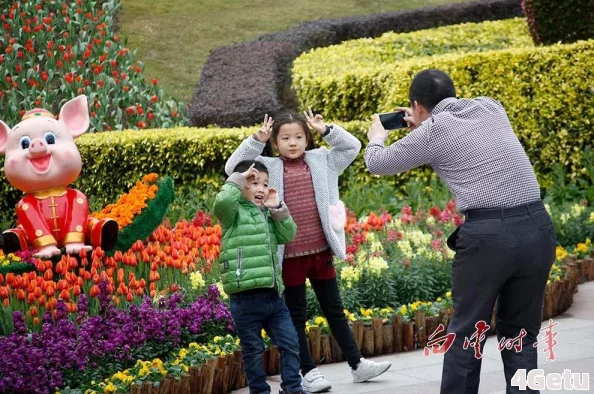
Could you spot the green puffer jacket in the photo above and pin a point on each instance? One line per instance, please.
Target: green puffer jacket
(250, 239)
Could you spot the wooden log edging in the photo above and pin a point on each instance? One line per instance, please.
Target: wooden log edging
(222, 375)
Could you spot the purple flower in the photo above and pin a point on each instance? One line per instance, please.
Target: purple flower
(35, 363)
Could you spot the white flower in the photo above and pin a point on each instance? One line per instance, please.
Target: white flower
(591, 217)
(430, 221)
(370, 237)
(576, 210)
(564, 217)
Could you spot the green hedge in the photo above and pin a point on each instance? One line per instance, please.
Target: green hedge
(547, 91)
(350, 80)
(195, 158)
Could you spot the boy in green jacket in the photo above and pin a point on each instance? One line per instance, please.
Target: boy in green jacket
(254, 223)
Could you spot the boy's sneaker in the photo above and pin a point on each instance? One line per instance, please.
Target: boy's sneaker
(367, 370)
(314, 382)
(288, 392)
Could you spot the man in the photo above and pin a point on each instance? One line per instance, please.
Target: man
(506, 246)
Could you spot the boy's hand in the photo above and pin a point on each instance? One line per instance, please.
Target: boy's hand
(263, 133)
(251, 172)
(317, 122)
(272, 200)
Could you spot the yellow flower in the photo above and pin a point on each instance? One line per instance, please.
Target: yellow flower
(218, 339)
(110, 388)
(592, 217)
(449, 294)
(561, 253)
(196, 280)
(320, 321)
(377, 264)
(438, 299)
(588, 240)
(183, 353)
(403, 310)
(582, 248)
(366, 312)
(370, 237)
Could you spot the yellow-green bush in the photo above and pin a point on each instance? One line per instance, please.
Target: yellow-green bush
(193, 157)
(547, 91)
(346, 80)
(393, 47)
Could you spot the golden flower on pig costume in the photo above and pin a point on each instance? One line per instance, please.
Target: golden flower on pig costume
(41, 161)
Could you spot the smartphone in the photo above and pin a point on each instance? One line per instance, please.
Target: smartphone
(393, 120)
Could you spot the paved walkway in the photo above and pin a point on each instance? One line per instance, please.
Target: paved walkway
(412, 372)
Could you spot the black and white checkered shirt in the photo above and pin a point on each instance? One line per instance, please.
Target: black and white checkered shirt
(471, 145)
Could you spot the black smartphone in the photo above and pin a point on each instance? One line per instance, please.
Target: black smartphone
(393, 120)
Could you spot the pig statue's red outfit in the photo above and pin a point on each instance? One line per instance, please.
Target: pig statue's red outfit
(42, 160)
(57, 217)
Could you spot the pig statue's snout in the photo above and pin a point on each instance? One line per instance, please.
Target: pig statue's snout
(38, 147)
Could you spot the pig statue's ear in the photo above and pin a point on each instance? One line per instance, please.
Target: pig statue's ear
(4, 130)
(75, 115)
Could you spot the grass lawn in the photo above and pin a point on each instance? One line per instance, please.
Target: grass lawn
(174, 37)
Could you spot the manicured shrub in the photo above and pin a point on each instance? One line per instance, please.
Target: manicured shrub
(245, 81)
(553, 21)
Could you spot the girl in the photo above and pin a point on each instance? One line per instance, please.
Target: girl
(306, 179)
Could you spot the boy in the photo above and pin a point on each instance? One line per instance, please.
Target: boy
(254, 222)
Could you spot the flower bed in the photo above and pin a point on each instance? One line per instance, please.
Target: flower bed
(391, 325)
(55, 50)
(140, 211)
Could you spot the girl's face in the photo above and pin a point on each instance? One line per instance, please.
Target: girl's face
(291, 140)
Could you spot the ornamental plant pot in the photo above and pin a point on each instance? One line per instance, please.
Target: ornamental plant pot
(326, 349)
(368, 342)
(408, 336)
(195, 380)
(397, 332)
(241, 378)
(337, 356)
(232, 365)
(273, 361)
(431, 323)
(387, 339)
(315, 344)
(377, 325)
(420, 329)
(358, 331)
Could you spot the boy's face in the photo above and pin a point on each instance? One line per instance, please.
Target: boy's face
(256, 190)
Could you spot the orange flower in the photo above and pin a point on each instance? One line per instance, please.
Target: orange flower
(132, 203)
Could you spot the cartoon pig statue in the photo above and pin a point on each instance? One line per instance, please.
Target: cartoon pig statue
(42, 160)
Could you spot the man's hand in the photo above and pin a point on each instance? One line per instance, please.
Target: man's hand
(317, 122)
(263, 133)
(272, 200)
(251, 172)
(409, 118)
(377, 131)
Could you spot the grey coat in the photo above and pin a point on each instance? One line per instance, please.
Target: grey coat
(325, 165)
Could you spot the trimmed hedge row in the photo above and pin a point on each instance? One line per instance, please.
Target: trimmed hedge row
(356, 56)
(193, 158)
(547, 92)
(239, 83)
(553, 21)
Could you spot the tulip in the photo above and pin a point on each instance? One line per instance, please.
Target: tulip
(129, 297)
(65, 295)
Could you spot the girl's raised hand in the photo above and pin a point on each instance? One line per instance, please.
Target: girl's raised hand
(263, 133)
(317, 122)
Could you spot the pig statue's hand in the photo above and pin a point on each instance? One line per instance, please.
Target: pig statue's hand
(48, 251)
(75, 248)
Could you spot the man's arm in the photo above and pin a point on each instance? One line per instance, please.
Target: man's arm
(407, 153)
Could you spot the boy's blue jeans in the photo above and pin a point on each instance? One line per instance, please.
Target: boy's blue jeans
(253, 310)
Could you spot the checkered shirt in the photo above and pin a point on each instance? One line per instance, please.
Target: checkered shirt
(471, 145)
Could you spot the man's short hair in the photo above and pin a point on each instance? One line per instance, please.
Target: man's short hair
(431, 86)
(245, 165)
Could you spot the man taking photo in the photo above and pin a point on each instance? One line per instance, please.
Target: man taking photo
(505, 248)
